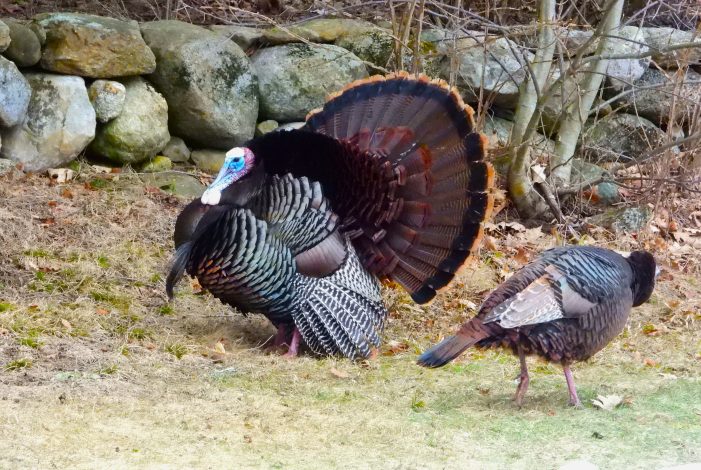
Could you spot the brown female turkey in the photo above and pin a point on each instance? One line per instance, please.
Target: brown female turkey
(565, 306)
(387, 180)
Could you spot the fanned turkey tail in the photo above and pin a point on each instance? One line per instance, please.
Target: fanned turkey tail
(428, 160)
(451, 347)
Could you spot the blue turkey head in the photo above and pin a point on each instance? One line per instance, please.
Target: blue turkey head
(237, 163)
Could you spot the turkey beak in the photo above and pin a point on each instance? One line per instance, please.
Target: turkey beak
(657, 272)
(212, 195)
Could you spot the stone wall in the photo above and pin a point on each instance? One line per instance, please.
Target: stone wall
(128, 92)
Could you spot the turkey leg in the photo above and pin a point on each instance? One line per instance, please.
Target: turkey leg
(524, 379)
(294, 344)
(574, 399)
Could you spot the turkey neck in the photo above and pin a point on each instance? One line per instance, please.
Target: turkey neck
(196, 216)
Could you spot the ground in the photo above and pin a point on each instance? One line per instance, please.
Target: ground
(99, 370)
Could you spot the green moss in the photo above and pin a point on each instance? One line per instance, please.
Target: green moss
(165, 310)
(31, 341)
(6, 306)
(18, 364)
(103, 262)
(177, 350)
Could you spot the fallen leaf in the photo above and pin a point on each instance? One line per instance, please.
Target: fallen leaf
(521, 256)
(219, 347)
(395, 347)
(607, 402)
(66, 324)
(650, 362)
(67, 193)
(339, 373)
(102, 311)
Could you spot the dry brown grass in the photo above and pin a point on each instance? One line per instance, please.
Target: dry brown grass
(99, 371)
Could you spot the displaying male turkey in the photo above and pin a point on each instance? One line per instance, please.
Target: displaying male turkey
(387, 180)
(564, 306)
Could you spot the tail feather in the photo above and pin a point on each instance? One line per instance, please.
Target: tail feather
(178, 266)
(469, 334)
(438, 194)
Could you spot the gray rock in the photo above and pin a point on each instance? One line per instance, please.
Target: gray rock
(289, 126)
(209, 84)
(653, 96)
(625, 220)
(107, 97)
(492, 64)
(208, 160)
(561, 94)
(14, 94)
(569, 39)
(6, 166)
(296, 78)
(325, 30)
(629, 40)
(619, 137)
(175, 182)
(59, 124)
(4, 36)
(39, 31)
(604, 193)
(25, 48)
(243, 36)
(661, 38)
(266, 126)
(497, 131)
(141, 129)
(374, 46)
(176, 150)
(94, 46)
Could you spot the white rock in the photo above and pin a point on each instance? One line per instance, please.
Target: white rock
(59, 124)
(14, 94)
(107, 97)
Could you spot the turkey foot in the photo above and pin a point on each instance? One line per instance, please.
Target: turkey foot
(279, 339)
(294, 344)
(524, 379)
(574, 399)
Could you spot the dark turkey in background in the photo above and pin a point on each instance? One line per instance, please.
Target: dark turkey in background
(564, 306)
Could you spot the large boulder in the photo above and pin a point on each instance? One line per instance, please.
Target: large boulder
(107, 97)
(243, 36)
(326, 30)
(25, 48)
(59, 124)
(94, 46)
(296, 78)
(628, 40)
(374, 46)
(211, 89)
(493, 65)
(620, 137)
(660, 38)
(659, 94)
(4, 36)
(141, 129)
(14, 94)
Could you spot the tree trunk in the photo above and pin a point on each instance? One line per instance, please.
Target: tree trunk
(528, 201)
(576, 112)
